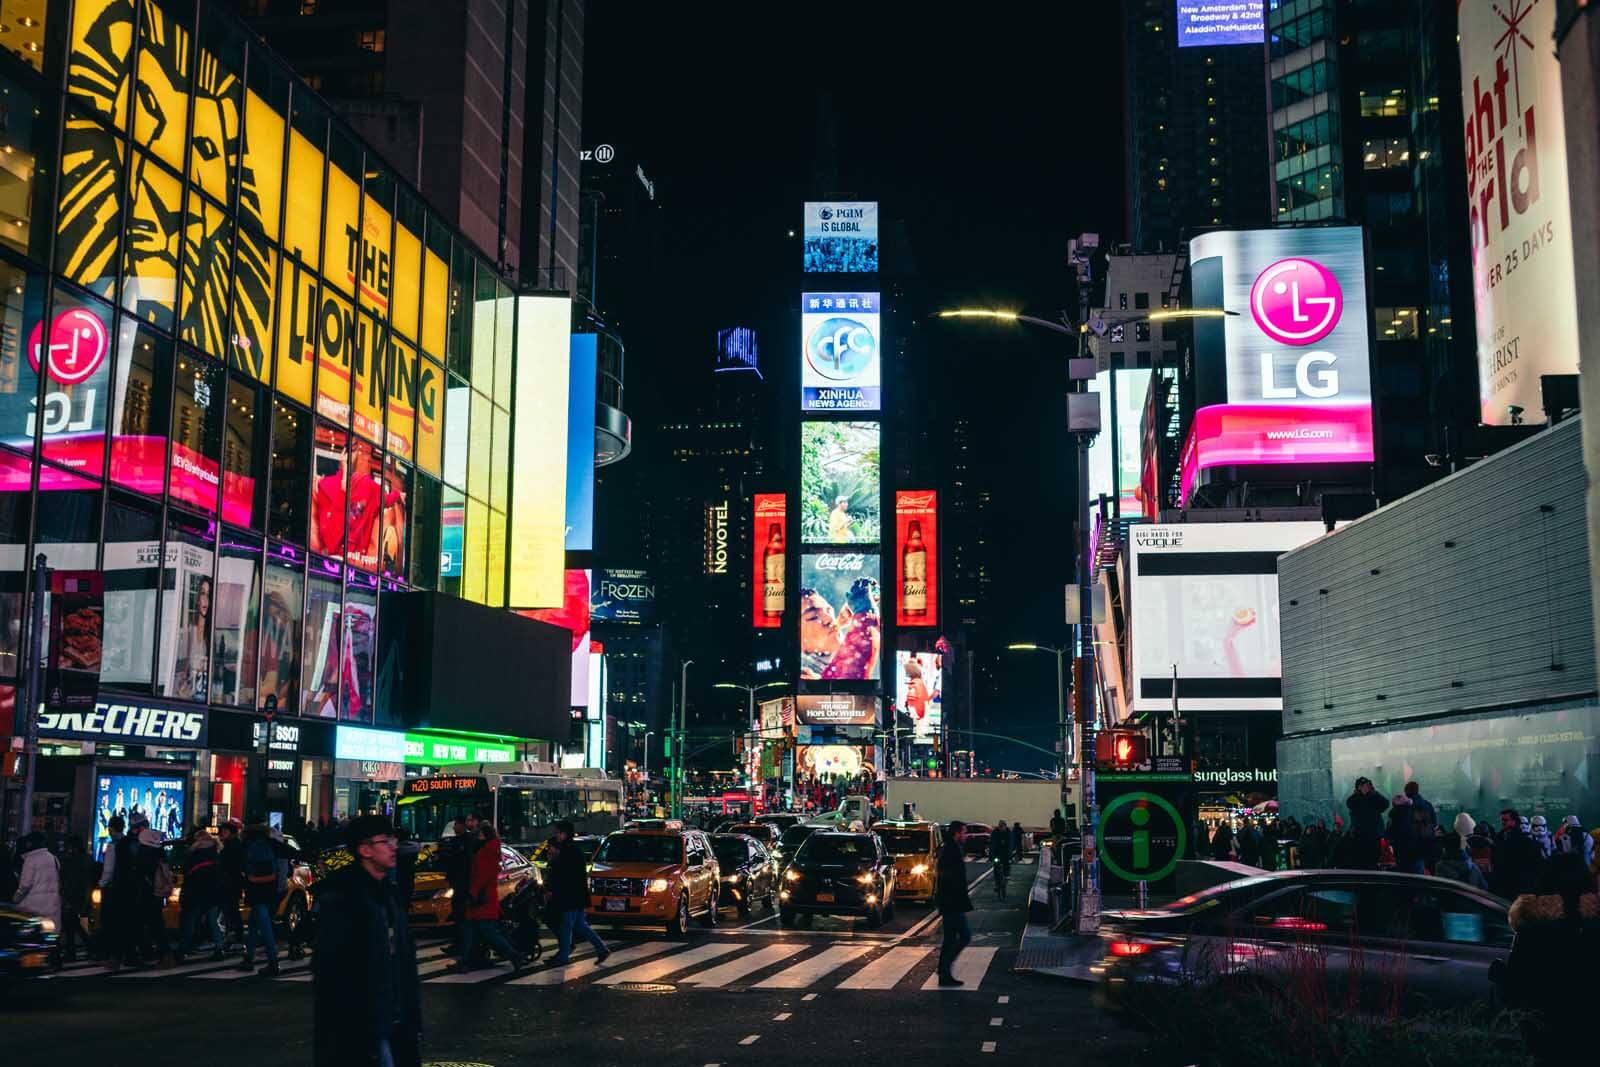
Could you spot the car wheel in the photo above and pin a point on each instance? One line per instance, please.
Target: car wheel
(743, 904)
(294, 919)
(678, 929)
(709, 919)
(772, 901)
(785, 916)
(888, 911)
(875, 918)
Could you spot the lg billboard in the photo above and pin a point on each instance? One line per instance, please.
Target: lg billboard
(1286, 376)
(839, 342)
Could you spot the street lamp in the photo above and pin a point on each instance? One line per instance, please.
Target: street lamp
(676, 736)
(750, 691)
(1063, 736)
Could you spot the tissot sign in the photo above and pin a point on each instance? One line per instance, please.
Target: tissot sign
(1291, 361)
(139, 723)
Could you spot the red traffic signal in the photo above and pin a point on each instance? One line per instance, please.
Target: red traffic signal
(1122, 749)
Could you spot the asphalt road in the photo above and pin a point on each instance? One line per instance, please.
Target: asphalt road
(749, 992)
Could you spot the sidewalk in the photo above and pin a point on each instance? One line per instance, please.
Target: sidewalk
(1064, 955)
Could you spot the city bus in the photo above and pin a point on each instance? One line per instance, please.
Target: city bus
(524, 807)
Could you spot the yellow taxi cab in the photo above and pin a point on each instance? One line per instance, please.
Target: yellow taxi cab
(648, 877)
(432, 895)
(915, 848)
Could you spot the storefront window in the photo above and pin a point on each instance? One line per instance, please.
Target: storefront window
(396, 517)
(329, 458)
(458, 411)
(197, 422)
(430, 410)
(140, 409)
(410, 219)
(15, 514)
(188, 599)
(335, 345)
(255, 276)
(150, 256)
(21, 309)
(480, 448)
(132, 568)
(76, 361)
(320, 676)
(296, 350)
(291, 462)
(161, 99)
(261, 172)
(308, 138)
(458, 344)
(235, 631)
(68, 520)
(214, 146)
(400, 389)
(371, 343)
(504, 345)
(483, 328)
(244, 454)
(283, 594)
(425, 533)
(438, 299)
(28, 132)
(363, 531)
(359, 651)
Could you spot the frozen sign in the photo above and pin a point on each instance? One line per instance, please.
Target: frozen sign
(839, 341)
(1523, 283)
(1219, 22)
(841, 237)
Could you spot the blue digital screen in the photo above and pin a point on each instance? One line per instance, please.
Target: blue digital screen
(159, 798)
(841, 237)
(580, 443)
(1221, 22)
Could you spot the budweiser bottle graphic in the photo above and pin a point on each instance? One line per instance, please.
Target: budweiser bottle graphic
(914, 572)
(772, 570)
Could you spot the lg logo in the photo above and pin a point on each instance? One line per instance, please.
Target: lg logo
(1298, 302)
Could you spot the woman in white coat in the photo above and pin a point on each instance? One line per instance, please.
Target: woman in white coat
(39, 888)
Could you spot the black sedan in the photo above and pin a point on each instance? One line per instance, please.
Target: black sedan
(789, 843)
(1386, 937)
(749, 874)
(836, 873)
(27, 945)
(783, 820)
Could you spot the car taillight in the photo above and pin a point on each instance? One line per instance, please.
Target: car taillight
(1130, 948)
(1294, 922)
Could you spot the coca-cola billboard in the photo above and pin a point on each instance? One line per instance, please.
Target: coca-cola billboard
(1523, 283)
(916, 557)
(770, 561)
(841, 624)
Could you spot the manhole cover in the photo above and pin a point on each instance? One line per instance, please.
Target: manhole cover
(646, 987)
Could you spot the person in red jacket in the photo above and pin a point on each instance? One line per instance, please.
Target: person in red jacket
(483, 904)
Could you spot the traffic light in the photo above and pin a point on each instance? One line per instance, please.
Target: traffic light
(1122, 750)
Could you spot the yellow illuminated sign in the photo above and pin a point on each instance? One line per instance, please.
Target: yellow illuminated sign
(538, 532)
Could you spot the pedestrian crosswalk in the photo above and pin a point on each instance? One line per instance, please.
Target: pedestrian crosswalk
(760, 964)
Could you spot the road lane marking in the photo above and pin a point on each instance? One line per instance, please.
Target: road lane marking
(580, 968)
(472, 977)
(434, 966)
(782, 1017)
(808, 971)
(886, 971)
(809, 996)
(658, 969)
(933, 916)
(1003, 1000)
(173, 972)
(752, 1039)
(988, 1046)
(996, 1021)
(717, 977)
(970, 967)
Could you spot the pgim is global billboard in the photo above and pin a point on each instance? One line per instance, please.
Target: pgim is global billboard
(840, 335)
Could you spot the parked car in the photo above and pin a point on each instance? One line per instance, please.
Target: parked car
(915, 848)
(838, 873)
(977, 842)
(749, 874)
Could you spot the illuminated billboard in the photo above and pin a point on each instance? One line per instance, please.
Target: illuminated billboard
(916, 557)
(622, 595)
(1114, 461)
(840, 338)
(1220, 22)
(1523, 280)
(1286, 376)
(580, 442)
(1205, 608)
(841, 633)
(717, 554)
(769, 583)
(777, 718)
(574, 617)
(841, 237)
(839, 489)
(836, 709)
(919, 694)
(537, 541)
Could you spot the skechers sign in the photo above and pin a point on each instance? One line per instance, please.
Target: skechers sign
(135, 723)
(1290, 363)
(840, 338)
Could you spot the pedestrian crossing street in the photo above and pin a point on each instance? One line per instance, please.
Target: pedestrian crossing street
(713, 964)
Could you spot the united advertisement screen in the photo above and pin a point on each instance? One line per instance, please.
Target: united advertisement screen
(159, 798)
(836, 709)
(840, 337)
(770, 561)
(1221, 22)
(841, 632)
(916, 557)
(1205, 614)
(919, 694)
(841, 237)
(839, 488)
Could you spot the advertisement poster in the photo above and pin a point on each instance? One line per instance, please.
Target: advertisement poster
(396, 518)
(1292, 363)
(830, 763)
(1219, 22)
(777, 718)
(836, 709)
(1523, 281)
(841, 237)
(77, 626)
(1205, 604)
(919, 694)
(1118, 475)
(737, 350)
(839, 501)
(841, 633)
(580, 442)
(573, 616)
(538, 526)
(159, 799)
(348, 500)
(916, 557)
(1546, 763)
(76, 365)
(769, 583)
(622, 595)
(840, 335)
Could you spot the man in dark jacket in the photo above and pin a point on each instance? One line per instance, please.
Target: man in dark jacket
(197, 906)
(76, 875)
(368, 1002)
(1514, 866)
(230, 880)
(568, 876)
(1366, 806)
(954, 901)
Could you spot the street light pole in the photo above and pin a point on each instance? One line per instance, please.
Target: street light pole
(677, 741)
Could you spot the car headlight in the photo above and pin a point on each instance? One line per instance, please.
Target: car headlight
(47, 925)
(445, 894)
(919, 869)
(94, 897)
(659, 885)
(791, 875)
(734, 877)
(865, 878)
(172, 897)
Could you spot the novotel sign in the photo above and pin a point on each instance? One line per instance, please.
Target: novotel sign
(136, 723)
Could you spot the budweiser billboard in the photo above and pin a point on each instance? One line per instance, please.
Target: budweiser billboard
(916, 558)
(770, 561)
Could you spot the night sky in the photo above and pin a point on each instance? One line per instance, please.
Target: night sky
(995, 140)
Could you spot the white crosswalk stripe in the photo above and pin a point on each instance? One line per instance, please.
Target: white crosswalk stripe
(583, 968)
(655, 970)
(970, 967)
(887, 970)
(724, 974)
(806, 973)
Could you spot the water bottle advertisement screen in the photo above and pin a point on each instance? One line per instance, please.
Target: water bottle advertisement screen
(161, 801)
(1219, 22)
(916, 557)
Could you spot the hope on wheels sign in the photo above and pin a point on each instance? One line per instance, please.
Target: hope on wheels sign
(1141, 838)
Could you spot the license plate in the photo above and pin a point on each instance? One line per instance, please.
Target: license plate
(824, 898)
(615, 904)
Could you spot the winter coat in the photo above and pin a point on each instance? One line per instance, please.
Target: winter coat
(266, 871)
(953, 898)
(365, 973)
(202, 874)
(1549, 973)
(1458, 867)
(39, 888)
(1401, 835)
(1000, 846)
(568, 879)
(484, 889)
(1515, 864)
(1366, 814)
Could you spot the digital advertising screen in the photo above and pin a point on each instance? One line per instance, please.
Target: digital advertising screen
(1115, 470)
(1286, 376)
(770, 561)
(622, 595)
(839, 488)
(841, 237)
(777, 718)
(580, 442)
(916, 557)
(1205, 607)
(919, 694)
(836, 709)
(573, 616)
(160, 798)
(841, 632)
(538, 527)
(1221, 22)
(840, 338)
(827, 762)
(737, 350)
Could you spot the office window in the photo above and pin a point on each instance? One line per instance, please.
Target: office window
(1141, 301)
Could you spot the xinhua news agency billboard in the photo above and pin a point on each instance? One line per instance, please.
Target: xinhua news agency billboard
(840, 335)
(1286, 376)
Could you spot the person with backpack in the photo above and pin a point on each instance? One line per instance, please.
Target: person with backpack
(265, 875)
(146, 884)
(483, 904)
(199, 902)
